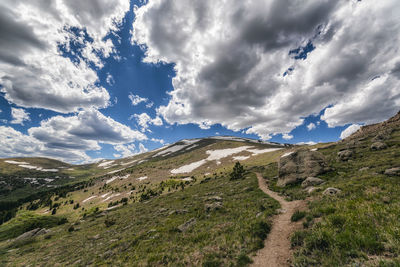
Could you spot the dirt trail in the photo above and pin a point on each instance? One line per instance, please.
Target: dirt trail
(276, 251)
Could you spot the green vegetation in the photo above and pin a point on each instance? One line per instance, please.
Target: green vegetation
(298, 215)
(238, 171)
(26, 221)
(228, 221)
(361, 224)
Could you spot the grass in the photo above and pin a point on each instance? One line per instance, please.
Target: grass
(146, 233)
(298, 215)
(360, 225)
(26, 221)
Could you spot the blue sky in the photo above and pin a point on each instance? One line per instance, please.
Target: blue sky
(184, 87)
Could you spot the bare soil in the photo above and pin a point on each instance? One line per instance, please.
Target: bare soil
(276, 251)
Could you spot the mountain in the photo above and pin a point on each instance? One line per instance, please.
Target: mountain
(191, 204)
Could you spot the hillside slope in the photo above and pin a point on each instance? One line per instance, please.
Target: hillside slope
(177, 206)
(353, 216)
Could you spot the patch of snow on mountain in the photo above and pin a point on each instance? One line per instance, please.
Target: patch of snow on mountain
(223, 153)
(175, 148)
(16, 162)
(261, 151)
(287, 154)
(189, 168)
(105, 164)
(89, 198)
(27, 166)
(241, 157)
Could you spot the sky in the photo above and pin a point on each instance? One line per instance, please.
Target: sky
(86, 80)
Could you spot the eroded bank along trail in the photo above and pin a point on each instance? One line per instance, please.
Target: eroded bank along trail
(276, 251)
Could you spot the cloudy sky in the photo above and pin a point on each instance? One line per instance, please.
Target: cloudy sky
(87, 79)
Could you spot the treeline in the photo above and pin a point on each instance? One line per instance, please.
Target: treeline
(8, 209)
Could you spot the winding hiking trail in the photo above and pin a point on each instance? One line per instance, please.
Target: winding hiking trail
(276, 251)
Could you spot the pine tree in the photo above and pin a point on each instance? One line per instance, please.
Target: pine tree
(237, 172)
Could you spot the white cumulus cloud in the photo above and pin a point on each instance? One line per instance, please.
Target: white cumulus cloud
(69, 137)
(136, 100)
(19, 115)
(311, 126)
(35, 34)
(244, 64)
(349, 130)
(144, 121)
(287, 136)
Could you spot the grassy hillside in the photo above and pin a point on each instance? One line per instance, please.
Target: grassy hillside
(176, 206)
(227, 221)
(360, 225)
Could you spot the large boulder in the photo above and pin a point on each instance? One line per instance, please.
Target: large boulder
(331, 191)
(378, 146)
(186, 225)
(32, 233)
(345, 155)
(297, 166)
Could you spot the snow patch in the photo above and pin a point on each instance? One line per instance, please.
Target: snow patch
(287, 154)
(105, 164)
(261, 151)
(223, 153)
(128, 163)
(142, 178)
(89, 198)
(175, 148)
(241, 157)
(116, 177)
(28, 166)
(189, 168)
(16, 162)
(111, 172)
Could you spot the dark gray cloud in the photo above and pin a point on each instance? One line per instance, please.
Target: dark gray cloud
(230, 65)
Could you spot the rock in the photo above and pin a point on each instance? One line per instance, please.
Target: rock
(311, 181)
(331, 191)
(363, 169)
(215, 198)
(177, 212)
(345, 155)
(382, 136)
(185, 226)
(299, 165)
(310, 189)
(213, 206)
(32, 233)
(378, 146)
(393, 171)
(258, 214)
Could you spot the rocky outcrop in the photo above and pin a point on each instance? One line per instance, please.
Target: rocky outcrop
(331, 191)
(213, 206)
(297, 166)
(378, 146)
(393, 171)
(186, 225)
(345, 155)
(379, 131)
(311, 181)
(32, 233)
